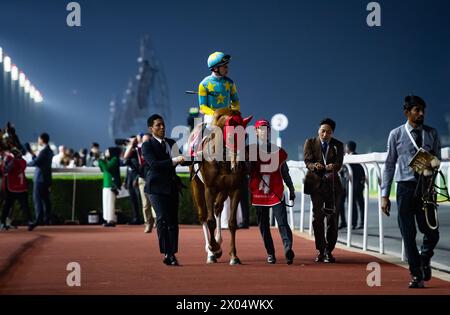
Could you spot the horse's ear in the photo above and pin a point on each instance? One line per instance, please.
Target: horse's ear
(247, 120)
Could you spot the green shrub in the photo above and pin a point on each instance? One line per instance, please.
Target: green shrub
(89, 198)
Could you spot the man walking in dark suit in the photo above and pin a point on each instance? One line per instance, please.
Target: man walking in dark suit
(323, 158)
(162, 185)
(42, 181)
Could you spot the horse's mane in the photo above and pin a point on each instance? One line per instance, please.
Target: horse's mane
(219, 113)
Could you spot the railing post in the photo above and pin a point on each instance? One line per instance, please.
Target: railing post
(366, 205)
(350, 205)
(448, 172)
(74, 193)
(380, 211)
(291, 211)
(302, 212)
(302, 204)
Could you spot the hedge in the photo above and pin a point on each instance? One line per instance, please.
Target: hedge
(89, 198)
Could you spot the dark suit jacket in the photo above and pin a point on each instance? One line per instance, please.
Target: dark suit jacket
(160, 177)
(43, 164)
(312, 152)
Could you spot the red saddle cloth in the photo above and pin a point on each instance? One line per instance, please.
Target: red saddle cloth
(233, 121)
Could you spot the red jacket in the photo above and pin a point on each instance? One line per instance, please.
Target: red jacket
(14, 174)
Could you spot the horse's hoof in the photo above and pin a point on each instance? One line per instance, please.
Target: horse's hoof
(235, 261)
(218, 254)
(211, 260)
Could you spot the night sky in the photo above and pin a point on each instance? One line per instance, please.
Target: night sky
(306, 59)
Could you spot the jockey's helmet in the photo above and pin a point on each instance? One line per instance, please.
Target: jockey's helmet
(218, 59)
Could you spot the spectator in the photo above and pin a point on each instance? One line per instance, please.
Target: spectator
(131, 180)
(76, 161)
(93, 156)
(83, 156)
(57, 159)
(111, 183)
(147, 210)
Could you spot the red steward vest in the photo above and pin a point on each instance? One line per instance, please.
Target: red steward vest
(16, 180)
(267, 187)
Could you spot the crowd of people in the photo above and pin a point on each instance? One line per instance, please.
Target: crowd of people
(15, 157)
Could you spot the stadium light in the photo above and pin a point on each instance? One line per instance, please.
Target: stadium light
(32, 92)
(22, 79)
(14, 73)
(7, 65)
(27, 86)
(18, 75)
(38, 97)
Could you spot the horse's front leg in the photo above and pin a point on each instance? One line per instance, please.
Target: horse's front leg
(218, 207)
(213, 247)
(232, 225)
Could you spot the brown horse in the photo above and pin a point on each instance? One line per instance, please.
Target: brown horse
(217, 177)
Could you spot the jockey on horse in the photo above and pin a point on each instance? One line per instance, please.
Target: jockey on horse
(215, 181)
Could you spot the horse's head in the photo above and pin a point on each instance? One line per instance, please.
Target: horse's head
(228, 121)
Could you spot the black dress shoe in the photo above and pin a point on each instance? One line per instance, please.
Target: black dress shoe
(271, 259)
(31, 226)
(290, 257)
(329, 258)
(166, 260)
(416, 283)
(426, 267)
(320, 257)
(173, 261)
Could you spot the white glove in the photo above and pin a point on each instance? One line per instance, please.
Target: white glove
(435, 163)
(177, 160)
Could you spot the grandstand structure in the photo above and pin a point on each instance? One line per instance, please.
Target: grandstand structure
(146, 93)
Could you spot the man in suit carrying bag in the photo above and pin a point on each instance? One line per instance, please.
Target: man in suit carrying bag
(323, 158)
(162, 184)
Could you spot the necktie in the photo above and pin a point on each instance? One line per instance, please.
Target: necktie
(417, 137)
(163, 146)
(324, 147)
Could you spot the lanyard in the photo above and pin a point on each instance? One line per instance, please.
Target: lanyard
(412, 139)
